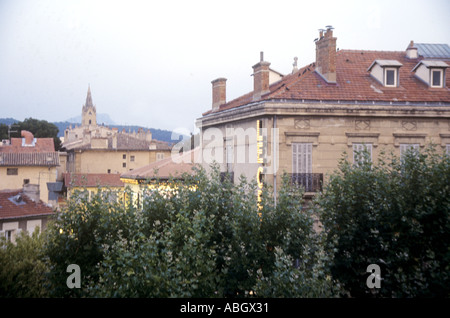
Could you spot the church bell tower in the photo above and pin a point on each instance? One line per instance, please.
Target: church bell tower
(89, 113)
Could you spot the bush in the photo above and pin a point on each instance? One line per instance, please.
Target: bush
(22, 266)
(205, 238)
(395, 214)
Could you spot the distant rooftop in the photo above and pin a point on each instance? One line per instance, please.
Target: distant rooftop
(92, 180)
(15, 204)
(437, 51)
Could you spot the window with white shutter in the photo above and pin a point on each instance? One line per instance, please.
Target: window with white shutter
(404, 148)
(229, 156)
(301, 157)
(358, 153)
(302, 166)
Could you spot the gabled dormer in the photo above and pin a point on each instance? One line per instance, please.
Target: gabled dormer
(386, 72)
(431, 73)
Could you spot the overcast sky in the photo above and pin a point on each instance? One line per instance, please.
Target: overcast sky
(151, 63)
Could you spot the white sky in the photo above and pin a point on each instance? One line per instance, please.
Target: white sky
(151, 63)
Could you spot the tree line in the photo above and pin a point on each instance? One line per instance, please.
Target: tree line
(39, 128)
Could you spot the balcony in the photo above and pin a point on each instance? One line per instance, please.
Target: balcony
(311, 182)
(227, 175)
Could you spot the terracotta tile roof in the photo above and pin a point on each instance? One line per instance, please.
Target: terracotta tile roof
(164, 169)
(46, 159)
(14, 204)
(92, 180)
(41, 145)
(353, 83)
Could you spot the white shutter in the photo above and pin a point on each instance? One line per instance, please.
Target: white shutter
(357, 152)
(301, 158)
(407, 147)
(294, 158)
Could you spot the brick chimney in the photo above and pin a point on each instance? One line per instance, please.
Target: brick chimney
(260, 78)
(326, 55)
(219, 92)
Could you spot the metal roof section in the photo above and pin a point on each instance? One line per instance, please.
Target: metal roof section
(436, 51)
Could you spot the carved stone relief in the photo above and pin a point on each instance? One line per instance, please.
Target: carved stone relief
(362, 124)
(302, 124)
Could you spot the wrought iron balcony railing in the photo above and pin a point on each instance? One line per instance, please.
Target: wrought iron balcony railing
(312, 182)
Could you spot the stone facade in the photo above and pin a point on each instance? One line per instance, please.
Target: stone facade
(331, 108)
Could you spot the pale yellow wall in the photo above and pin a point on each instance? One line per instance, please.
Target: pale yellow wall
(92, 161)
(36, 175)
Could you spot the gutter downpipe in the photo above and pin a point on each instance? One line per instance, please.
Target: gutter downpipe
(274, 149)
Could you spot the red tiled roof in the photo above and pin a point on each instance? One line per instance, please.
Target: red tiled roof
(46, 159)
(21, 207)
(353, 83)
(92, 180)
(41, 145)
(40, 153)
(164, 169)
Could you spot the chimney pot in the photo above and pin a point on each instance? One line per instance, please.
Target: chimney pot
(260, 78)
(219, 92)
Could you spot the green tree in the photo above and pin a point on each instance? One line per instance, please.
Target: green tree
(3, 132)
(22, 266)
(394, 214)
(81, 234)
(40, 129)
(204, 238)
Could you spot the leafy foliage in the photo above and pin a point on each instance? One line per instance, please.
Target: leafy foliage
(22, 266)
(203, 238)
(395, 214)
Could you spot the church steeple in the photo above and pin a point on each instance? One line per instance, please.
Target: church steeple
(89, 98)
(89, 113)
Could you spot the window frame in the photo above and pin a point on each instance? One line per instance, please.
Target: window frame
(359, 147)
(12, 171)
(441, 78)
(407, 147)
(302, 157)
(9, 235)
(388, 69)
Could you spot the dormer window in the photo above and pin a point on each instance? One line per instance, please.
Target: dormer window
(386, 72)
(431, 73)
(437, 78)
(390, 77)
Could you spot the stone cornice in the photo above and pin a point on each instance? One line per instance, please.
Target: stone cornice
(321, 108)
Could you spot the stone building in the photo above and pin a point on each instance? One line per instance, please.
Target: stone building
(29, 161)
(93, 148)
(343, 102)
(22, 210)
